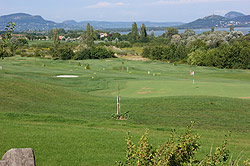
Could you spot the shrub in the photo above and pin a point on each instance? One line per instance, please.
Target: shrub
(93, 53)
(176, 151)
(66, 53)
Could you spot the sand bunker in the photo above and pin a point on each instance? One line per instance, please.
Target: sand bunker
(67, 76)
(244, 97)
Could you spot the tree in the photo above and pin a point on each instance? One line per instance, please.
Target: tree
(143, 31)
(188, 33)
(66, 53)
(55, 38)
(93, 53)
(170, 31)
(176, 39)
(89, 40)
(134, 34)
(196, 58)
(7, 48)
(212, 29)
(180, 52)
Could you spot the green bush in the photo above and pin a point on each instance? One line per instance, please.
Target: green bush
(177, 151)
(66, 53)
(93, 53)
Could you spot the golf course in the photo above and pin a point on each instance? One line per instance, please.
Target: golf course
(68, 120)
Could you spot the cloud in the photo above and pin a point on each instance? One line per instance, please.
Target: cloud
(106, 4)
(166, 2)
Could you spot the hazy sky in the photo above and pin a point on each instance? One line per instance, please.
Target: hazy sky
(124, 10)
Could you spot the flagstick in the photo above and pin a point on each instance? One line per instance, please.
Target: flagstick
(118, 102)
(193, 81)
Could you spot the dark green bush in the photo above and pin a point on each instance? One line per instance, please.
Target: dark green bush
(66, 53)
(93, 53)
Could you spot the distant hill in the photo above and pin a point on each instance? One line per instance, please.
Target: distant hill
(232, 18)
(70, 22)
(26, 22)
(206, 22)
(233, 14)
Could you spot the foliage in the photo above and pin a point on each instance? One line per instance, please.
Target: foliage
(22, 42)
(212, 29)
(220, 155)
(89, 40)
(187, 33)
(176, 39)
(197, 44)
(143, 32)
(170, 31)
(233, 35)
(8, 46)
(93, 53)
(66, 53)
(176, 151)
(236, 55)
(171, 52)
(196, 58)
(55, 37)
(134, 34)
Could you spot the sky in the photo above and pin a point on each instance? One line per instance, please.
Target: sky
(124, 10)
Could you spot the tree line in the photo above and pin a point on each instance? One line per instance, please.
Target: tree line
(214, 48)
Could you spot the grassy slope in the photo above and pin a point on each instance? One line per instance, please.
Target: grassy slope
(67, 121)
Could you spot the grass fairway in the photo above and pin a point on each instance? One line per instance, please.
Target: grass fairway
(67, 121)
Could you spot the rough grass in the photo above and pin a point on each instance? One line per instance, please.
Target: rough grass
(67, 121)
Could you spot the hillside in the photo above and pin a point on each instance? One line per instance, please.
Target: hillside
(26, 22)
(233, 14)
(232, 18)
(206, 22)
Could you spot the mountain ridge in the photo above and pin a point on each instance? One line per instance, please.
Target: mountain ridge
(219, 21)
(27, 22)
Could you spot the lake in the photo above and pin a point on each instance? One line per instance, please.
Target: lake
(245, 30)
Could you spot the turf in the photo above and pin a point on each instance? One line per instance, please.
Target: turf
(67, 121)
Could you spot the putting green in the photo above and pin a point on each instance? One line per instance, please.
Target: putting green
(159, 88)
